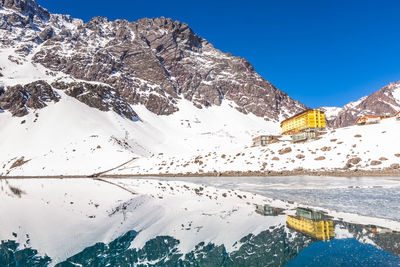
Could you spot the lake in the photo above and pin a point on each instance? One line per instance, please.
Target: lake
(201, 221)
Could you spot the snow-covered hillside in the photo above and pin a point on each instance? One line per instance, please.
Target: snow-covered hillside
(70, 138)
(369, 147)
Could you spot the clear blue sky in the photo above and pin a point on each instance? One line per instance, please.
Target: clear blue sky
(322, 52)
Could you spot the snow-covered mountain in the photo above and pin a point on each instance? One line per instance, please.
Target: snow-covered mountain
(385, 101)
(152, 97)
(153, 62)
(71, 90)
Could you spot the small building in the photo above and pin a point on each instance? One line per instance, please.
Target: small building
(371, 119)
(304, 136)
(310, 119)
(264, 140)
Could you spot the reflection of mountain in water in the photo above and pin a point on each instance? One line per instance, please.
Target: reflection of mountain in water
(12, 255)
(276, 246)
(272, 247)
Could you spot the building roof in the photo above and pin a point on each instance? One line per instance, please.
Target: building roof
(299, 115)
(376, 116)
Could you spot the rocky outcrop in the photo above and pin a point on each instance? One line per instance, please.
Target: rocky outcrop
(18, 99)
(102, 97)
(46, 34)
(285, 151)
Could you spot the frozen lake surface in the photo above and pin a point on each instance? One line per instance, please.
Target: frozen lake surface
(369, 196)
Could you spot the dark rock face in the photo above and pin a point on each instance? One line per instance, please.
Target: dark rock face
(153, 62)
(102, 97)
(17, 99)
(382, 102)
(20, 98)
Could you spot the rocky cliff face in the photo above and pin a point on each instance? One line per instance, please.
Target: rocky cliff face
(19, 99)
(154, 62)
(385, 101)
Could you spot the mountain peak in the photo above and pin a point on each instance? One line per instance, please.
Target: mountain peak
(385, 101)
(154, 62)
(26, 8)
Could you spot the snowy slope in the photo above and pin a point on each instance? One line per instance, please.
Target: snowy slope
(331, 152)
(396, 94)
(70, 138)
(330, 112)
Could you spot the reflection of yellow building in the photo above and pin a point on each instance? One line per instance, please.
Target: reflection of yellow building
(310, 119)
(317, 229)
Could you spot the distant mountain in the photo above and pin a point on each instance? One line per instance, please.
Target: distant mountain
(385, 101)
(153, 62)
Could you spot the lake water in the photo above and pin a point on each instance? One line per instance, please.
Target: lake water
(351, 244)
(370, 196)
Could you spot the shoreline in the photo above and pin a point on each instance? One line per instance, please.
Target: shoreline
(333, 173)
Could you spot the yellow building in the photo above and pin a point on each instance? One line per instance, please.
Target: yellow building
(308, 119)
(320, 230)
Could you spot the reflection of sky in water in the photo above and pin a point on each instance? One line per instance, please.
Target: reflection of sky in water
(371, 196)
(343, 252)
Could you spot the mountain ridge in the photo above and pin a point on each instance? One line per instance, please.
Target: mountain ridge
(154, 62)
(385, 101)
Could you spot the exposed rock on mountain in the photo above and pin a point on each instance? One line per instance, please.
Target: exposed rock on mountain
(102, 97)
(154, 62)
(385, 101)
(17, 99)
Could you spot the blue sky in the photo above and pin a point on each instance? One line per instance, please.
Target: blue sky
(322, 52)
